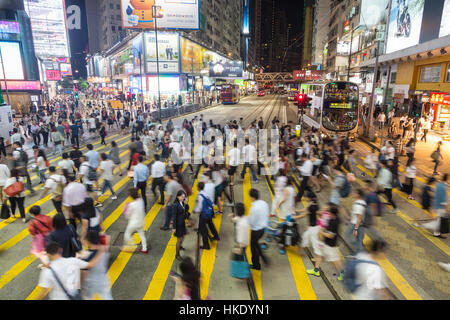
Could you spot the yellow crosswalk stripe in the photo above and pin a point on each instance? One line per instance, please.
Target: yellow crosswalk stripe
(436, 241)
(159, 279)
(122, 259)
(246, 186)
(302, 281)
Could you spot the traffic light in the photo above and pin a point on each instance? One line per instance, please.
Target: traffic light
(129, 96)
(76, 95)
(303, 100)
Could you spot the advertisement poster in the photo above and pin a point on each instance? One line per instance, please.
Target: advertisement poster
(53, 75)
(405, 24)
(66, 69)
(374, 12)
(168, 51)
(308, 75)
(196, 59)
(226, 69)
(177, 14)
(12, 61)
(6, 122)
(445, 21)
(48, 22)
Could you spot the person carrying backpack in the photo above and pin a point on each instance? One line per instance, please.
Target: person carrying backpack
(341, 186)
(360, 211)
(363, 276)
(204, 206)
(20, 162)
(384, 181)
(55, 184)
(376, 208)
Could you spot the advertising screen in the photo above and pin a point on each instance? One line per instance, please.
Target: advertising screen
(168, 84)
(53, 75)
(232, 69)
(195, 58)
(445, 21)
(246, 20)
(12, 60)
(168, 51)
(177, 14)
(48, 23)
(66, 69)
(405, 24)
(21, 85)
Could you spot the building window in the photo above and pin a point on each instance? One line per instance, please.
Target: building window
(111, 6)
(118, 17)
(430, 74)
(118, 6)
(393, 77)
(448, 73)
(113, 28)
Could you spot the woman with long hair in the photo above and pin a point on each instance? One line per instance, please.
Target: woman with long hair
(180, 213)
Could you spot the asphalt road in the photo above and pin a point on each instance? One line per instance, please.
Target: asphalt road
(409, 263)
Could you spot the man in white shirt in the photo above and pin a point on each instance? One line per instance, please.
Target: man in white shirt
(66, 270)
(106, 171)
(249, 152)
(51, 184)
(384, 181)
(381, 119)
(158, 170)
(204, 223)
(306, 170)
(84, 176)
(356, 230)
(233, 161)
(67, 165)
(259, 220)
(370, 276)
(16, 137)
(200, 155)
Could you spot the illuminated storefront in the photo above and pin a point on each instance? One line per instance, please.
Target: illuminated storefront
(440, 111)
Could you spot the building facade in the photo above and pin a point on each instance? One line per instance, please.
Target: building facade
(321, 20)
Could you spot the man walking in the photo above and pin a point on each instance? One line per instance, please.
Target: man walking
(258, 219)
(140, 178)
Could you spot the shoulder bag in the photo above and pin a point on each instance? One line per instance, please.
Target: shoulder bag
(77, 296)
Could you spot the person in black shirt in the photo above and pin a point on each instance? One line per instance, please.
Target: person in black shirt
(327, 246)
(75, 157)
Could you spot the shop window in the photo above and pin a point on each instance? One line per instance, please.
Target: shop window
(448, 73)
(430, 74)
(393, 77)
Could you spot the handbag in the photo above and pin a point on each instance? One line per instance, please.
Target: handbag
(14, 189)
(239, 267)
(75, 243)
(77, 296)
(5, 213)
(435, 155)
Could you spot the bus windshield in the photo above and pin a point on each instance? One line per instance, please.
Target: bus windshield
(340, 106)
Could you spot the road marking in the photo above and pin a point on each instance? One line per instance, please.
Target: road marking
(438, 243)
(117, 267)
(302, 281)
(403, 286)
(246, 186)
(159, 279)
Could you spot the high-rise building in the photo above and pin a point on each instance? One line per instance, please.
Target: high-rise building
(104, 24)
(320, 32)
(220, 26)
(308, 16)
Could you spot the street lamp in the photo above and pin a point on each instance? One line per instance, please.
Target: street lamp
(157, 13)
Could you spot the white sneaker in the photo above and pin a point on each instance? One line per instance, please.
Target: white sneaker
(445, 266)
(394, 210)
(114, 197)
(99, 193)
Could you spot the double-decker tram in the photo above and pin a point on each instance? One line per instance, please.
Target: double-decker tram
(334, 107)
(229, 94)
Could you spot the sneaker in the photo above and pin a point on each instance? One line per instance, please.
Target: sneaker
(313, 272)
(445, 266)
(394, 210)
(411, 198)
(99, 193)
(255, 181)
(341, 276)
(114, 197)
(98, 205)
(143, 251)
(415, 225)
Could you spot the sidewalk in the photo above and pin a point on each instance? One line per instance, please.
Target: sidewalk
(424, 163)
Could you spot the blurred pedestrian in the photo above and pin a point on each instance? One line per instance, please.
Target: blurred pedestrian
(135, 214)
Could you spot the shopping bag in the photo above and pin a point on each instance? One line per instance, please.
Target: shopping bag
(14, 189)
(5, 213)
(239, 267)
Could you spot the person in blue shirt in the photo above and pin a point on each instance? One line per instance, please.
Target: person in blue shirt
(74, 133)
(141, 174)
(440, 195)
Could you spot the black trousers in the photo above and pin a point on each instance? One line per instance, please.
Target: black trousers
(36, 138)
(255, 248)
(388, 193)
(58, 206)
(17, 201)
(142, 185)
(425, 131)
(203, 225)
(76, 140)
(303, 187)
(158, 182)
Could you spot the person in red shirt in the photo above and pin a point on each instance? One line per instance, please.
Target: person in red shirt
(39, 227)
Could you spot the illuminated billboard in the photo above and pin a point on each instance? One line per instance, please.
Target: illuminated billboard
(177, 14)
(168, 51)
(232, 69)
(66, 69)
(53, 75)
(12, 60)
(48, 24)
(246, 16)
(195, 59)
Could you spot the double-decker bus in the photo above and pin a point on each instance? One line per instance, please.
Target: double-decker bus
(334, 106)
(229, 94)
